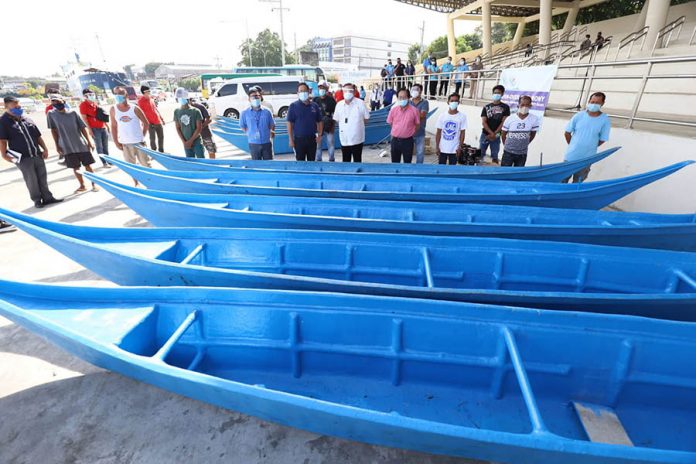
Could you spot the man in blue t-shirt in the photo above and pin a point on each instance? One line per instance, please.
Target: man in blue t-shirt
(586, 131)
(305, 126)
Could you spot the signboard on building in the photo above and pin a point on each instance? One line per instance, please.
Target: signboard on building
(534, 81)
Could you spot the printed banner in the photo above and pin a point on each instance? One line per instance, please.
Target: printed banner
(534, 82)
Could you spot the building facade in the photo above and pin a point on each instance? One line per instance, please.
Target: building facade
(323, 47)
(367, 53)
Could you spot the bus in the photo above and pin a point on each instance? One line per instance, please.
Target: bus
(311, 74)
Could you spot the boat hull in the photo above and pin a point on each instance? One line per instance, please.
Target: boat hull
(172, 209)
(387, 380)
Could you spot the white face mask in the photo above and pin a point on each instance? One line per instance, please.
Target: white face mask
(523, 109)
(415, 93)
(348, 94)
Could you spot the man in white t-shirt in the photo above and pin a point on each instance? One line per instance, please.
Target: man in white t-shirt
(351, 114)
(519, 130)
(451, 128)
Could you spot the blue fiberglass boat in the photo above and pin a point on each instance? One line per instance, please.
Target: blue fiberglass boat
(588, 195)
(550, 275)
(549, 173)
(665, 231)
(489, 382)
(373, 134)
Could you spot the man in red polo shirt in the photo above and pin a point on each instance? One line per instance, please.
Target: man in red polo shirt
(149, 108)
(97, 126)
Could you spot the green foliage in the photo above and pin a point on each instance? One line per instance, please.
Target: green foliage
(414, 53)
(96, 90)
(464, 43)
(265, 50)
(152, 66)
(192, 84)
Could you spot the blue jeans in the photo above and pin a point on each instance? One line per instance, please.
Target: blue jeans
(101, 143)
(484, 143)
(329, 137)
(261, 151)
(419, 145)
(196, 150)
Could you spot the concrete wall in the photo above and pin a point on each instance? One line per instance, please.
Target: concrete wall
(641, 151)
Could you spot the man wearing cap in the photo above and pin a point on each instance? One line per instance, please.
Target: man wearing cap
(189, 124)
(264, 103)
(351, 115)
(21, 143)
(154, 118)
(72, 141)
(94, 117)
(128, 128)
(328, 105)
(258, 124)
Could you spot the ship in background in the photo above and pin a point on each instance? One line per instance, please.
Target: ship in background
(80, 75)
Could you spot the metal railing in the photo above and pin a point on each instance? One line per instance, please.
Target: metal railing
(481, 81)
(667, 32)
(693, 35)
(631, 39)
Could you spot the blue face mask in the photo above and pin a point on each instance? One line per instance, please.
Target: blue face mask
(18, 112)
(453, 105)
(183, 101)
(255, 102)
(322, 92)
(497, 97)
(120, 98)
(303, 96)
(403, 103)
(593, 107)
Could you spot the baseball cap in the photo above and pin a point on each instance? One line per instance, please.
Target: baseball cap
(181, 93)
(144, 88)
(323, 84)
(9, 99)
(86, 91)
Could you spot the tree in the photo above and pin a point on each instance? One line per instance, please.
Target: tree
(192, 84)
(414, 53)
(265, 50)
(152, 66)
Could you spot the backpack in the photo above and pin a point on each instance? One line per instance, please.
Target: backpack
(101, 115)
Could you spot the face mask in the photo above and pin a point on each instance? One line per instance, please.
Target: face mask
(322, 92)
(449, 61)
(120, 98)
(255, 102)
(453, 105)
(593, 107)
(415, 93)
(461, 63)
(303, 96)
(91, 97)
(497, 97)
(403, 103)
(18, 112)
(523, 109)
(183, 101)
(59, 106)
(348, 94)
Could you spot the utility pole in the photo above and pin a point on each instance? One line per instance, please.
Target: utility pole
(248, 43)
(282, 31)
(422, 29)
(101, 52)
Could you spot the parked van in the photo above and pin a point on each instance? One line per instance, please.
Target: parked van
(232, 97)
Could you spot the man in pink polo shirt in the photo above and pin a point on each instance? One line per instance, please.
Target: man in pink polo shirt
(404, 121)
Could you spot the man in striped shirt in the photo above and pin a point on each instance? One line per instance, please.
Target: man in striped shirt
(21, 143)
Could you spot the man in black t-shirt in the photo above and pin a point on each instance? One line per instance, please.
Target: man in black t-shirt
(328, 105)
(493, 116)
(206, 135)
(399, 71)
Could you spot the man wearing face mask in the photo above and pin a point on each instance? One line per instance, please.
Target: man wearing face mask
(433, 77)
(128, 128)
(21, 143)
(376, 96)
(585, 132)
(72, 141)
(258, 124)
(518, 132)
(328, 106)
(351, 116)
(475, 66)
(410, 70)
(423, 107)
(451, 129)
(446, 70)
(149, 108)
(460, 76)
(399, 71)
(492, 118)
(189, 124)
(305, 127)
(95, 118)
(404, 121)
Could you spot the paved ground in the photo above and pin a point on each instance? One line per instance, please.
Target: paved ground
(55, 408)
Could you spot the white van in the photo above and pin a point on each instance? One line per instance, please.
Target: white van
(232, 97)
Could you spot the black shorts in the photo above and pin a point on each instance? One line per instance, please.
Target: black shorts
(74, 160)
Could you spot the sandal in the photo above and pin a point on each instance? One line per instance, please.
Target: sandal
(80, 190)
(95, 188)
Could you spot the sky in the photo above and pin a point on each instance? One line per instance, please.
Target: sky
(140, 32)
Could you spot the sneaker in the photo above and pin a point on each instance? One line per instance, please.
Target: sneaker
(6, 227)
(495, 161)
(52, 201)
(38, 204)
